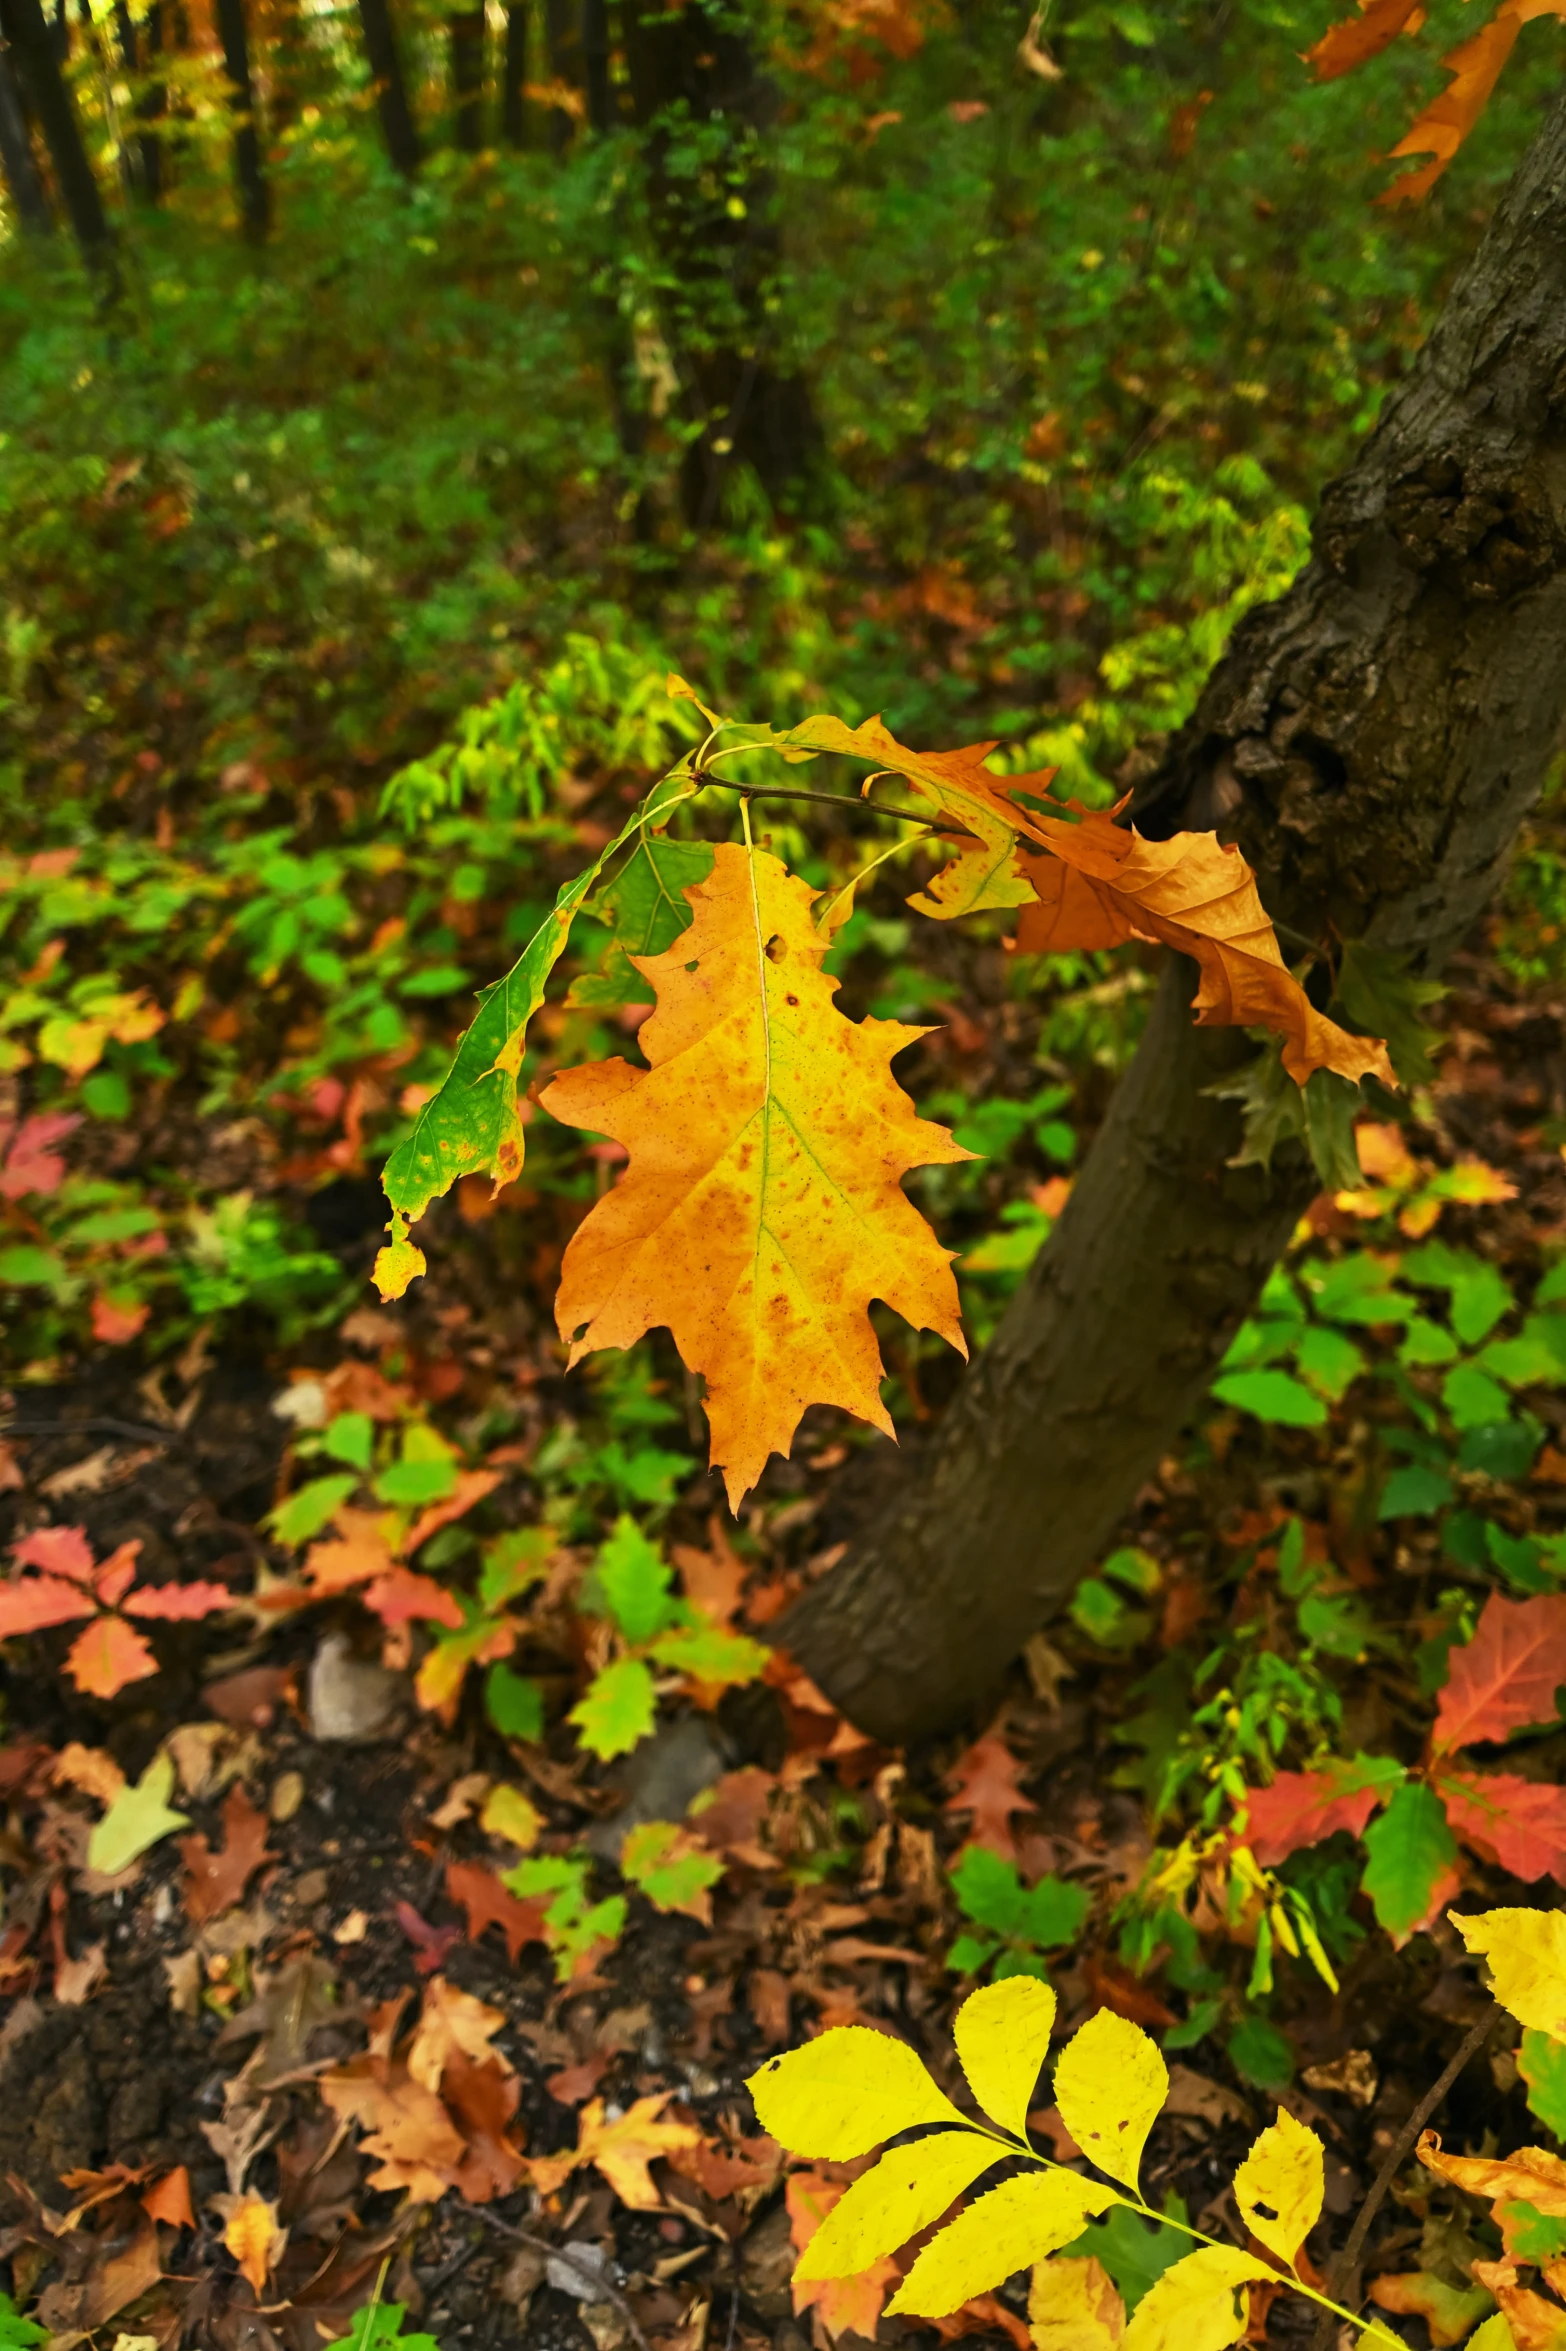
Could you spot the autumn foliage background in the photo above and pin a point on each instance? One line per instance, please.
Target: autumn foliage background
(415, 1835)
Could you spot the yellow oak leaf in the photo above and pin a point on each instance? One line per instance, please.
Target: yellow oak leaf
(762, 1209)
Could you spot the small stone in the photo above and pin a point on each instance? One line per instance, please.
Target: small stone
(349, 1699)
(288, 1793)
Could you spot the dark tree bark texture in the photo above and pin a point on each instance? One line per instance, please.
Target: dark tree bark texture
(692, 67)
(24, 183)
(34, 50)
(1373, 740)
(391, 91)
(150, 99)
(466, 30)
(250, 182)
(513, 77)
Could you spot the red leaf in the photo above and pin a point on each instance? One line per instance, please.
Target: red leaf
(179, 1603)
(58, 1551)
(480, 1893)
(1343, 46)
(1520, 1824)
(31, 1165)
(1302, 1807)
(116, 1320)
(107, 1657)
(483, 2102)
(35, 1601)
(984, 1783)
(118, 1572)
(215, 1882)
(472, 1485)
(430, 1944)
(1506, 1677)
(404, 1594)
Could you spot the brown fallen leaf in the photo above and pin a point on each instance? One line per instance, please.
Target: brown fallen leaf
(621, 2150)
(168, 2199)
(986, 1783)
(453, 2023)
(479, 1893)
(414, 2141)
(484, 2102)
(216, 1881)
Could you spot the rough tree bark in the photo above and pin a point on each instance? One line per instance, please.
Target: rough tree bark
(34, 50)
(150, 100)
(24, 183)
(1373, 740)
(391, 91)
(513, 76)
(465, 29)
(250, 181)
(692, 68)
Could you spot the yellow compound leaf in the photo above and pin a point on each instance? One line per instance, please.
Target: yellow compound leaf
(845, 2092)
(1280, 2186)
(1014, 2225)
(1110, 2082)
(762, 1209)
(1073, 2306)
(907, 2189)
(1526, 1950)
(1195, 2306)
(1002, 2035)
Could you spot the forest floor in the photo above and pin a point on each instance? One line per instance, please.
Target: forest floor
(305, 2047)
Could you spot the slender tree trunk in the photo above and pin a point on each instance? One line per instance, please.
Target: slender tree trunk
(288, 65)
(466, 35)
(692, 65)
(595, 64)
(391, 91)
(24, 183)
(1373, 739)
(513, 77)
(255, 199)
(147, 101)
(563, 27)
(33, 48)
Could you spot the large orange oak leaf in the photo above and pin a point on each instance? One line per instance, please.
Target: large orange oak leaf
(1506, 1677)
(762, 1208)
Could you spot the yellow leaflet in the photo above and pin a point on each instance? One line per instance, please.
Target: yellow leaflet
(1494, 2335)
(1280, 2185)
(1526, 1950)
(1194, 2306)
(1015, 2224)
(1002, 2035)
(1109, 2085)
(845, 2092)
(1073, 2306)
(908, 2189)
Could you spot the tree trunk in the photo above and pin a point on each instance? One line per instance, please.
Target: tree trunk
(595, 64)
(255, 201)
(513, 77)
(29, 198)
(563, 27)
(391, 91)
(466, 34)
(33, 48)
(693, 65)
(148, 102)
(1373, 739)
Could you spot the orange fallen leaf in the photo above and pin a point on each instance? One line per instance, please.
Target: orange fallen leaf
(215, 1881)
(762, 1208)
(986, 1783)
(252, 2235)
(168, 2199)
(453, 2023)
(621, 2150)
(843, 2305)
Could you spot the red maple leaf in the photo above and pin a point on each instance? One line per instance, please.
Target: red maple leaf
(1506, 1677)
(984, 1782)
(32, 1165)
(1519, 1824)
(1302, 1807)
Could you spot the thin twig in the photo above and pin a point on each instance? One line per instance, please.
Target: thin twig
(598, 2287)
(94, 1427)
(1343, 2267)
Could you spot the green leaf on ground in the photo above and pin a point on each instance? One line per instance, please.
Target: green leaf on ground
(138, 1818)
(1409, 1849)
(618, 1710)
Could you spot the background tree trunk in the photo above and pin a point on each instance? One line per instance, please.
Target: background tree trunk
(24, 182)
(391, 91)
(466, 34)
(33, 45)
(149, 99)
(563, 26)
(255, 201)
(513, 77)
(1373, 740)
(595, 64)
(694, 65)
